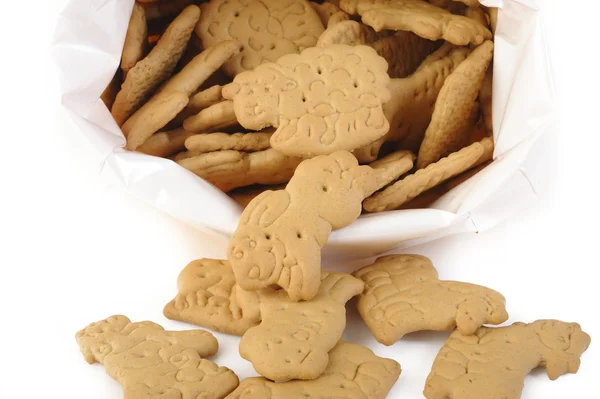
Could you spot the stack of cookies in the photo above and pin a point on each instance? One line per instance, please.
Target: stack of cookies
(310, 114)
(241, 92)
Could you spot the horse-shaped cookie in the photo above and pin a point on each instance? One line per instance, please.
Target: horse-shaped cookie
(353, 372)
(150, 362)
(403, 294)
(280, 234)
(493, 363)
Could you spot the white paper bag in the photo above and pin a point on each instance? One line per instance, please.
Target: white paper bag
(87, 48)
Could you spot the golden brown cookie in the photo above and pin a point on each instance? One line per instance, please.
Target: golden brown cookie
(165, 144)
(159, 109)
(351, 33)
(320, 101)
(389, 168)
(265, 29)
(470, 3)
(209, 142)
(412, 99)
(136, 39)
(153, 116)
(212, 119)
(424, 179)
(450, 120)
(165, 9)
(279, 237)
(449, 125)
(476, 13)
(370, 152)
(156, 67)
(353, 372)
(230, 169)
(150, 362)
(244, 195)
(493, 12)
(206, 98)
(110, 92)
(420, 17)
(325, 11)
(209, 297)
(294, 338)
(485, 99)
(494, 362)
(404, 52)
(454, 7)
(403, 294)
(337, 18)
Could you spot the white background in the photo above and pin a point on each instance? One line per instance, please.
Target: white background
(74, 250)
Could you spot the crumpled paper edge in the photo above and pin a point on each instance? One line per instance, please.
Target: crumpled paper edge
(462, 209)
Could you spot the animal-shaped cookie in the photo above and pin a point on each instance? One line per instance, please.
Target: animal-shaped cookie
(420, 17)
(404, 52)
(403, 294)
(353, 372)
(279, 237)
(265, 29)
(209, 297)
(229, 169)
(294, 338)
(283, 339)
(157, 112)
(412, 101)
(494, 362)
(150, 362)
(322, 100)
(411, 186)
(156, 67)
(411, 106)
(449, 127)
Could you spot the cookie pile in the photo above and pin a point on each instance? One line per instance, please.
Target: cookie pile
(296, 345)
(336, 117)
(240, 92)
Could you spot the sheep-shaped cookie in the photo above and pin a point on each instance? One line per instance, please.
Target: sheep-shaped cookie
(322, 100)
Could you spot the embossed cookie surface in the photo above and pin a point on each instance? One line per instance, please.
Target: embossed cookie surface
(320, 101)
(280, 234)
(156, 67)
(209, 297)
(493, 362)
(353, 372)
(424, 179)
(403, 294)
(150, 362)
(448, 130)
(403, 52)
(420, 17)
(294, 338)
(265, 29)
(412, 102)
(229, 169)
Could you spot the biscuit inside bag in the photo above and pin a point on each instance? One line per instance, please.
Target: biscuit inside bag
(257, 129)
